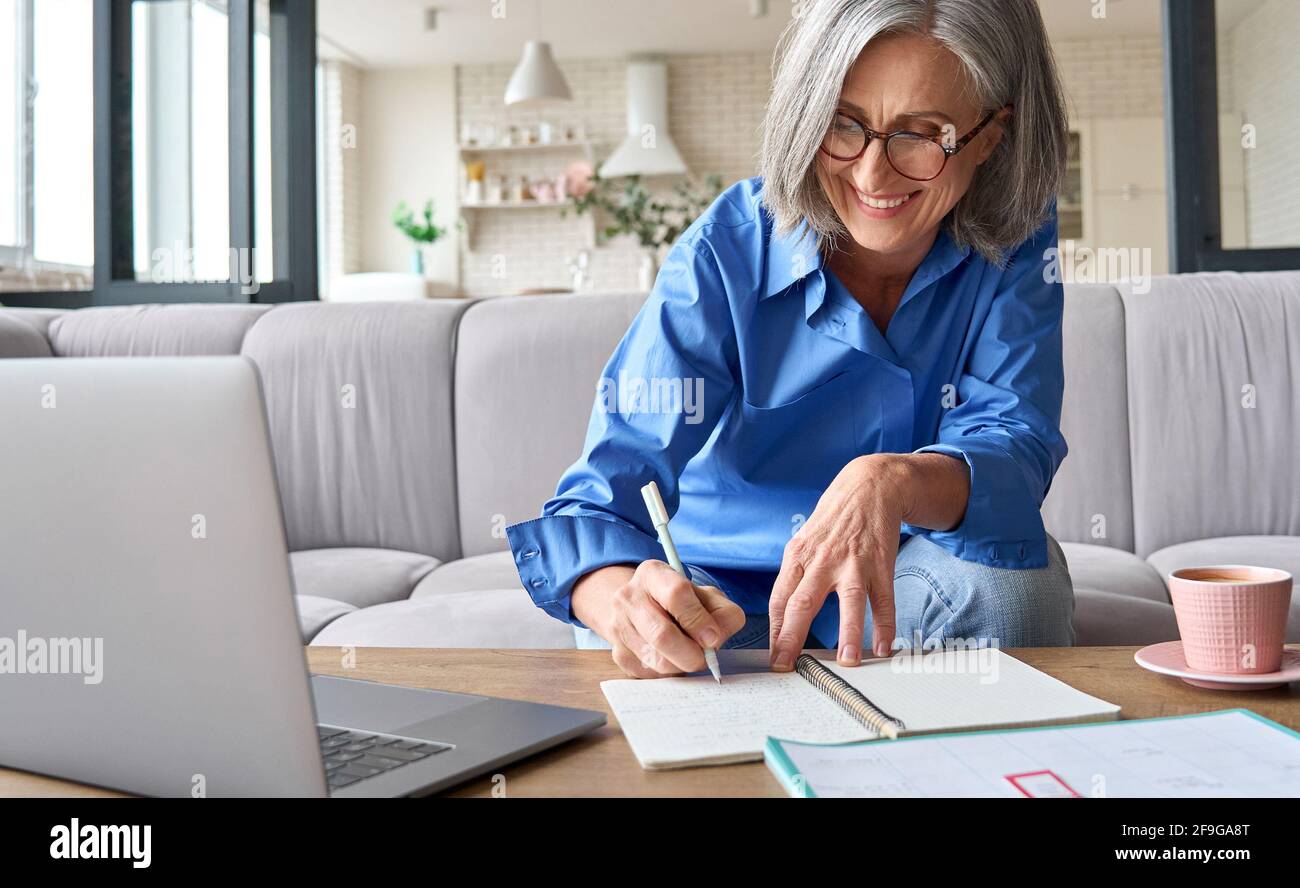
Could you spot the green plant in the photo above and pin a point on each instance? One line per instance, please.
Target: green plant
(422, 232)
(654, 220)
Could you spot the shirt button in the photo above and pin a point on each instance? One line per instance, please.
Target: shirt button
(993, 553)
(539, 582)
(531, 553)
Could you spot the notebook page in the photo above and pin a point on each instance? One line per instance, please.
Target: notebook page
(966, 690)
(1221, 754)
(676, 722)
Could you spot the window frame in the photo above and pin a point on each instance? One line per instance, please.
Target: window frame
(1192, 137)
(293, 185)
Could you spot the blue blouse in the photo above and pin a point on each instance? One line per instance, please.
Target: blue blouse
(751, 376)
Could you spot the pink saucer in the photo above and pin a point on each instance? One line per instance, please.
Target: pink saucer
(1167, 659)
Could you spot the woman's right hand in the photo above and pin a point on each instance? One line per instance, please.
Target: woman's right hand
(657, 621)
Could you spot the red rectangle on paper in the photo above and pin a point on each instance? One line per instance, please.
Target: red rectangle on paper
(1042, 785)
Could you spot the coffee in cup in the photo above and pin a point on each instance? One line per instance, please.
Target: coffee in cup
(1232, 618)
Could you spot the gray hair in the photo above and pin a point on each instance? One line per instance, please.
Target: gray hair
(1002, 45)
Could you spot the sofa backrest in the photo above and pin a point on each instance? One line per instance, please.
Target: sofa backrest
(152, 330)
(1214, 374)
(526, 371)
(430, 426)
(1091, 497)
(359, 398)
(19, 338)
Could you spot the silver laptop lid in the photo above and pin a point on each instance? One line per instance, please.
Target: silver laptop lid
(148, 634)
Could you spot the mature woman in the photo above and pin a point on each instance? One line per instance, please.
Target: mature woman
(876, 349)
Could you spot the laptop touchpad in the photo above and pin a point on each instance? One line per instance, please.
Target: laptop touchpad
(369, 706)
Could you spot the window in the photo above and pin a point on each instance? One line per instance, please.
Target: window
(180, 141)
(1234, 80)
(46, 144)
(207, 150)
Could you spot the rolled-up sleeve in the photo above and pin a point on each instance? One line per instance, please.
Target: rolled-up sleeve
(657, 402)
(1006, 424)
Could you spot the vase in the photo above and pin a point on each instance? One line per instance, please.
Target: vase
(649, 270)
(417, 261)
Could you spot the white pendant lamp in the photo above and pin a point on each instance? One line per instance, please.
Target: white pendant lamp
(537, 79)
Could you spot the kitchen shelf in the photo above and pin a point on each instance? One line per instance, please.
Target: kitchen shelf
(470, 210)
(537, 146)
(515, 205)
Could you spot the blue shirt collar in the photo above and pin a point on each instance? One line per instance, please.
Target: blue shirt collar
(790, 258)
(795, 256)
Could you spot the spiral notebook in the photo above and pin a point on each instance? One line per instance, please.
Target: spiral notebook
(691, 721)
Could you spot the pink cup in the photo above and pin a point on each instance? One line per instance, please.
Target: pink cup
(1231, 618)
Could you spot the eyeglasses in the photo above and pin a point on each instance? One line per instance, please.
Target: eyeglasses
(913, 155)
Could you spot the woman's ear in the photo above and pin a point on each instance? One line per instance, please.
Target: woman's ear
(993, 134)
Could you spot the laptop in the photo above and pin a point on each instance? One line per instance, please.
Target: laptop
(149, 639)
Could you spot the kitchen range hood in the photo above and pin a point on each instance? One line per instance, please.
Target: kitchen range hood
(648, 149)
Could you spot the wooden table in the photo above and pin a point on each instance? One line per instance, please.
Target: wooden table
(601, 763)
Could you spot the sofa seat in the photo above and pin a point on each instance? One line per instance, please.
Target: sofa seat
(315, 613)
(1282, 552)
(478, 573)
(471, 602)
(361, 577)
(1110, 618)
(491, 618)
(1113, 570)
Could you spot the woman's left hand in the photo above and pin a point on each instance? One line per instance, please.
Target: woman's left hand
(848, 545)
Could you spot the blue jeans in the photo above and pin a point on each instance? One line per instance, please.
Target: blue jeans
(939, 597)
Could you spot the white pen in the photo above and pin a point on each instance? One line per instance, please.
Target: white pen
(659, 518)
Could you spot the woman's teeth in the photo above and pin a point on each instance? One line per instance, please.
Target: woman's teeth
(883, 204)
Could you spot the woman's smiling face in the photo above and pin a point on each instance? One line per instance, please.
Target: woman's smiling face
(914, 83)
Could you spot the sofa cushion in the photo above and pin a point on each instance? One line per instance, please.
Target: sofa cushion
(40, 318)
(1113, 570)
(315, 613)
(1091, 500)
(526, 374)
(358, 397)
(1213, 372)
(153, 330)
(497, 618)
(1104, 618)
(495, 570)
(359, 577)
(19, 339)
(1282, 552)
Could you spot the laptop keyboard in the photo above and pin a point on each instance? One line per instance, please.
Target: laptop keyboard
(352, 756)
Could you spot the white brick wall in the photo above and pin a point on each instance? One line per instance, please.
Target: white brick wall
(715, 107)
(1266, 74)
(341, 86)
(1112, 77)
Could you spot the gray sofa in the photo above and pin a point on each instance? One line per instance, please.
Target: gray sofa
(408, 435)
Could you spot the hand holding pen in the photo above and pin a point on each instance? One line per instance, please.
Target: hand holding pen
(656, 621)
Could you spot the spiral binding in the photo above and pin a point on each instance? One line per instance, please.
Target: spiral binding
(849, 698)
